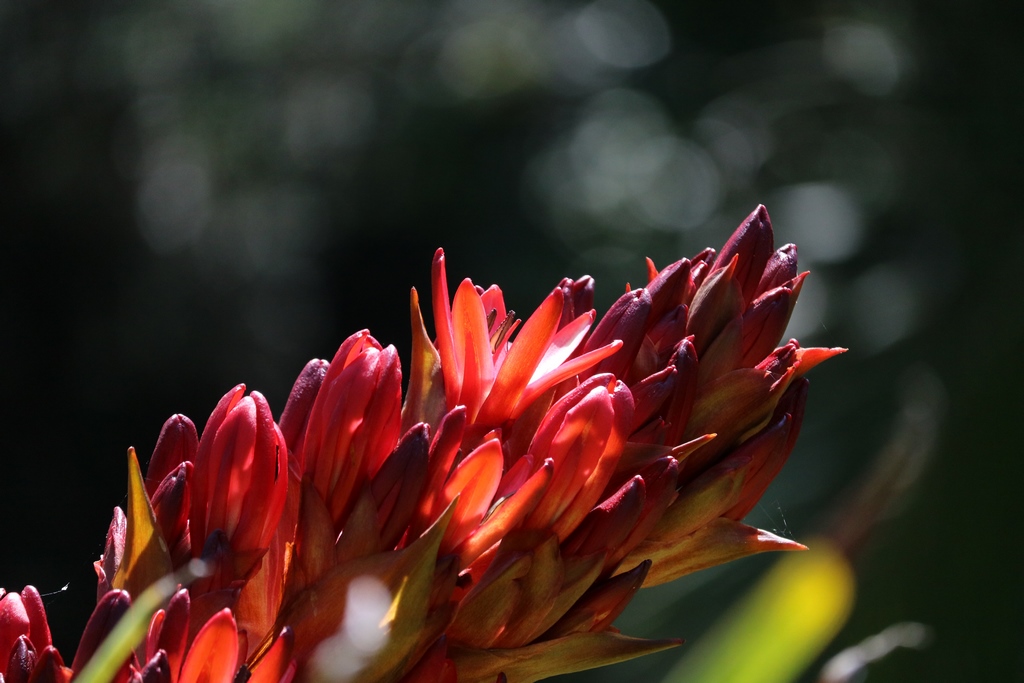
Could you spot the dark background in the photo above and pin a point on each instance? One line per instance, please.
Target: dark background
(198, 194)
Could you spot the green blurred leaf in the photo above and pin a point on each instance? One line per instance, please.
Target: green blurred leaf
(778, 629)
(133, 626)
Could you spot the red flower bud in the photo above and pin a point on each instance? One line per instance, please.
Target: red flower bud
(670, 288)
(354, 423)
(752, 245)
(157, 669)
(105, 616)
(718, 301)
(650, 395)
(21, 662)
(781, 268)
(22, 614)
(171, 504)
(240, 480)
(608, 525)
(168, 632)
(399, 484)
(113, 551)
(626, 320)
(50, 667)
(296, 412)
(577, 298)
(176, 444)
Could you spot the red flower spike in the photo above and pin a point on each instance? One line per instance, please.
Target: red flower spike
(752, 244)
(18, 667)
(113, 551)
(50, 668)
(515, 476)
(317, 611)
(552, 487)
(104, 617)
(747, 339)
(221, 563)
(213, 656)
(176, 444)
(446, 578)
(578, 575)
(793, 403)
(699, 271)
(496, 313)
(295, 415)
(791, 358)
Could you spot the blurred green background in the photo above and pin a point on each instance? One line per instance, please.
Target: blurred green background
(197, 194)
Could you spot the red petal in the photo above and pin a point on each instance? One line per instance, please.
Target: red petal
(213, 657)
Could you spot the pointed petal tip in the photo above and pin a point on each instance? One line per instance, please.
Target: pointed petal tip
(767, 541)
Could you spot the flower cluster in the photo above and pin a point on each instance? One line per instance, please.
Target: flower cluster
(490, 526)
